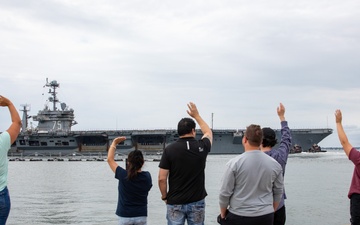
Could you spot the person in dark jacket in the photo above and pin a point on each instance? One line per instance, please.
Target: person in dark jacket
(280, 154)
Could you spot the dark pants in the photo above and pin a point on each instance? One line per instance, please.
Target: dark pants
(280, 216)
(355, 209)
(232, 219)
(4, 205)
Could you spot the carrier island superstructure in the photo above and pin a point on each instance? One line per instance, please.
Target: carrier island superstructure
(53, 134)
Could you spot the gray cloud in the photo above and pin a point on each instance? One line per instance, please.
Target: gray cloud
(146, 60)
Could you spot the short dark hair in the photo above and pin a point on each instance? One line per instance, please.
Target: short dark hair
(269, 137)
(254, 135)
(185, 126)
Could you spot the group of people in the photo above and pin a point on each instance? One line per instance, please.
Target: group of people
(251, 190)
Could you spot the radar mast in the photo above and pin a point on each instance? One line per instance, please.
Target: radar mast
(52, 91)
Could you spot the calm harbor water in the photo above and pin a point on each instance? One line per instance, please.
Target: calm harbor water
(86, 192)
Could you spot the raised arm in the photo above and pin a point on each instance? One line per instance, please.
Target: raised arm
(281, 112)
(341, 133)
(205, 129)
(15, 126)
(111, 153)
(285, 143)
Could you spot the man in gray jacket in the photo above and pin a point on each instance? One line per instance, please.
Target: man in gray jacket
(252, 184)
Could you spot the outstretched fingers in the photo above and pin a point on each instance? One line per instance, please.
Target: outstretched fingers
(192, 111)
(281, 110)
(338, 116)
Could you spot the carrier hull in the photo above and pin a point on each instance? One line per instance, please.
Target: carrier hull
(226, 141)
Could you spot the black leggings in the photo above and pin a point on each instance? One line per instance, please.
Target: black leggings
(355, 209)
(232, 219)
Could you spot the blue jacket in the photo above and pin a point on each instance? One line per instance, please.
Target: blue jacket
(281, 153)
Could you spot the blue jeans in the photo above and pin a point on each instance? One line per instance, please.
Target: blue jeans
(193, 212)
(4, 205)
(140, 220)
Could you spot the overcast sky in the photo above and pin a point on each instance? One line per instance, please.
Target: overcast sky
(136, 64)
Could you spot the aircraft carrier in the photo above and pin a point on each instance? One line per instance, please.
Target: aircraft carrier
(54, 135)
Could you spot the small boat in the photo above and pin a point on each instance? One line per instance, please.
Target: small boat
(316, 148)
(296, 149)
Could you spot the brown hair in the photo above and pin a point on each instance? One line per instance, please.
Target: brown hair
(254, 135)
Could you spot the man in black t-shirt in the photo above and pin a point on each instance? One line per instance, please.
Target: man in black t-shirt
(182, 165)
